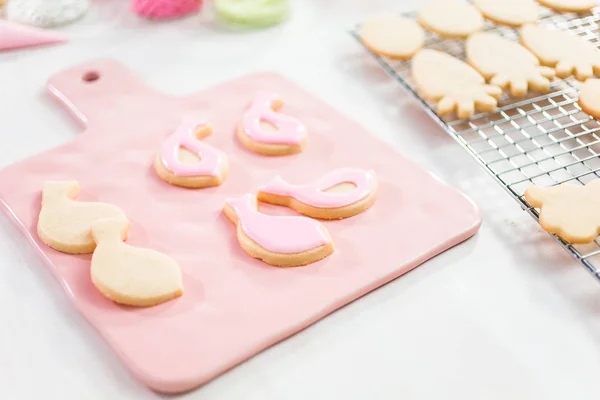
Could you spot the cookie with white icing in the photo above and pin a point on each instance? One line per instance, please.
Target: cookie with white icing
(453, 84)
(509, 12)
(392, 36)
(507, 64)
(566, 52)
(450, 18)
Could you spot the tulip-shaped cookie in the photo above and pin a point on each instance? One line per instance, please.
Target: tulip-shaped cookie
(339, 194)
(453, 84)
(283, 241)
(65, 224)
(568, 53)
(185, 160)
(131, 275)
(570, 212)
(507, 64)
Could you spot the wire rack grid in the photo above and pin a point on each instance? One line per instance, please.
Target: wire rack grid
(540, 139)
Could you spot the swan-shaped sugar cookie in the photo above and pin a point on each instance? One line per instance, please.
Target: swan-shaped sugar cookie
(453, 84)
(569, 211)
(507, 64)
(339, 194)
(65, 224)
(264, 130)
(566, 52)
(131, 275)
(282, 241)
(200, 165)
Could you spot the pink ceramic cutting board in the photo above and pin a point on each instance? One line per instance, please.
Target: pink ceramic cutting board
(234, 306)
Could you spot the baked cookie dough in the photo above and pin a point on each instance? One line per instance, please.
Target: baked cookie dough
(566, 52)
(392, 36)
(589, 97)
(453, 84)
(509, 12)
(507, 64)
(569, 211)
(569, 5)
(450, 18)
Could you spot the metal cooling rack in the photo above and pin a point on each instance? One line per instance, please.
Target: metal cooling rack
(540, 139)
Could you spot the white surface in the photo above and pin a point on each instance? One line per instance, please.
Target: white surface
(507, 315)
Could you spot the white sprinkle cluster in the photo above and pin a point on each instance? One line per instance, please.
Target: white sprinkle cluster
(46, 13)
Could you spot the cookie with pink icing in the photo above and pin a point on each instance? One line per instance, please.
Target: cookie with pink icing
(341, 193)
(282, 241)
(265, 130)
(185, 160)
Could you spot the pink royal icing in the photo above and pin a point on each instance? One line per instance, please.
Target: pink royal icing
(289, 129)
(314, 194)
(279, 234)
(211, 159)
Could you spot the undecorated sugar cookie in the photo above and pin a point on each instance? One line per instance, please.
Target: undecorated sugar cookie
(184, 160)
(392, 36)
(507, 64)
(569, 211)
(509, 12)
(567, 53)
(264, 130)
(453, 84)
(46, 13)
(339, 194)
(450, 18)
(569, 5)
(130, 275)
(65, 224)
(589, 97)
(282, 241)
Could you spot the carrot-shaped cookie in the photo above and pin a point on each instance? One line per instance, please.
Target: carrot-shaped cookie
(568, 53)
(453, 84)
(507, 64)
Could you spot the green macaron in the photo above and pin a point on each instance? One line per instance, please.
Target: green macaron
(252, 13)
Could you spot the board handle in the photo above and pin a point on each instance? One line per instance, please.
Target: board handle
(90, 91)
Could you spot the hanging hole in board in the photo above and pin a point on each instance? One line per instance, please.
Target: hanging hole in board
(91, 76)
